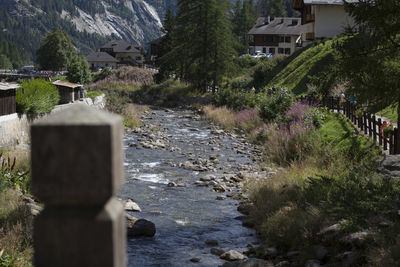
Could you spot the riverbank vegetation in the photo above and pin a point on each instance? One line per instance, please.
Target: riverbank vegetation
(16, 220)
(36, 97)
(326, 193)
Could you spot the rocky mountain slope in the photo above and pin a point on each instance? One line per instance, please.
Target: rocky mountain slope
(89, 22)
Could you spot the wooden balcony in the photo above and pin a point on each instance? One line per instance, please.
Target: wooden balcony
(310, 17)
(310, 36)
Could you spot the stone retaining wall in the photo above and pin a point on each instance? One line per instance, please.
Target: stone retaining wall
(14, 128)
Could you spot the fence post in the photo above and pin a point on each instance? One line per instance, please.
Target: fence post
(369, 125)
(374, 127)
(379, 131)
(385, 141)
(396, 141)
(77, 167)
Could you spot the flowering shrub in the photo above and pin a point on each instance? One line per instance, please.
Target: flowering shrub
(298, 111)
(359, 112)
(386, 129)
(248, 120)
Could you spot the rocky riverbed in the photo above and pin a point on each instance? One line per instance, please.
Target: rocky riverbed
(187, 177)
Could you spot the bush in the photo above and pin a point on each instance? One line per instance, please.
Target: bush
(236, 100)
(102, 75)
(36, 97)
(276, 104)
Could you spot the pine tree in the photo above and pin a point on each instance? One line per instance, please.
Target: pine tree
(275, 8)
(243, 20)
(166, 45)
(5, 62)
(78, 70)
(370, 57)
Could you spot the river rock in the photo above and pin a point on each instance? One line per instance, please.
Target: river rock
(217, 251)
(232, 255)
(195, 259)
(172, 184)
(248, 263)
(390, 166)
(132, 206)
(140, 227)
(211, 242)
(245, 208)
(320, 252)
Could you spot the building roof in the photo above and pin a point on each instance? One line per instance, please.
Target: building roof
(120, 46)
(100, 57)
(66, 84)
(8, 86)
(277, 26)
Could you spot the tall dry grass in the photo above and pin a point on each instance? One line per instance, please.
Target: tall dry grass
(125, 78)
(16, 226)
(246, 120)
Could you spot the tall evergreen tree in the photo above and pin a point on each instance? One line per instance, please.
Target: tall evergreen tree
(166, 45)
(205, 41)
(56, 51)
(5, 62)
(243, 20)
(276, 8)
(370, 57)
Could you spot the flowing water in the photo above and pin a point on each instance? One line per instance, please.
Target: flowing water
(185, 217)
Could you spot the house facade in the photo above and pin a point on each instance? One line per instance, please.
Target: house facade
(124, 52)
(322, 18)
(102, 60)
(277, 36)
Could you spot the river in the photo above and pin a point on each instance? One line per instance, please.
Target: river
(161, 180)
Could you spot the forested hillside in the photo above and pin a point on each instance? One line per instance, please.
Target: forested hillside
(90, 23)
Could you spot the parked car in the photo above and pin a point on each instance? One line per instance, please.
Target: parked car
(259, 55)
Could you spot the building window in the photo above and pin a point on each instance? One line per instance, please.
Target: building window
(264, 50)
(287, 39)
(272, 50)
(280, 50)
(287, 51)
(268, 38)
(281, 39)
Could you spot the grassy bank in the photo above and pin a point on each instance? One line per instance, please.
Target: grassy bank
(326, 194)
(16, 221)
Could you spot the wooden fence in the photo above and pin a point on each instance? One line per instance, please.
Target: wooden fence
(366, 122)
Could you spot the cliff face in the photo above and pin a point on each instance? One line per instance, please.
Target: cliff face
(89, 23)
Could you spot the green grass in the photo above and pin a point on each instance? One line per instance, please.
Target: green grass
(297, 71)
(389, 113)
(94, 94)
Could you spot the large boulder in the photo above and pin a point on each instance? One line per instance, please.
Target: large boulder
(140, 227)
(390, 166)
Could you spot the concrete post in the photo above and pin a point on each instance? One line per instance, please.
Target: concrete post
(77, 167)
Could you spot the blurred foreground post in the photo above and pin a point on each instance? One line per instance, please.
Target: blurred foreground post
(77, 167)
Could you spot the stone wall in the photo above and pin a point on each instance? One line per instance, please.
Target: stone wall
(14, 130)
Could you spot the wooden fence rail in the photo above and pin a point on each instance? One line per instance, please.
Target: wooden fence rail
(366, 122)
